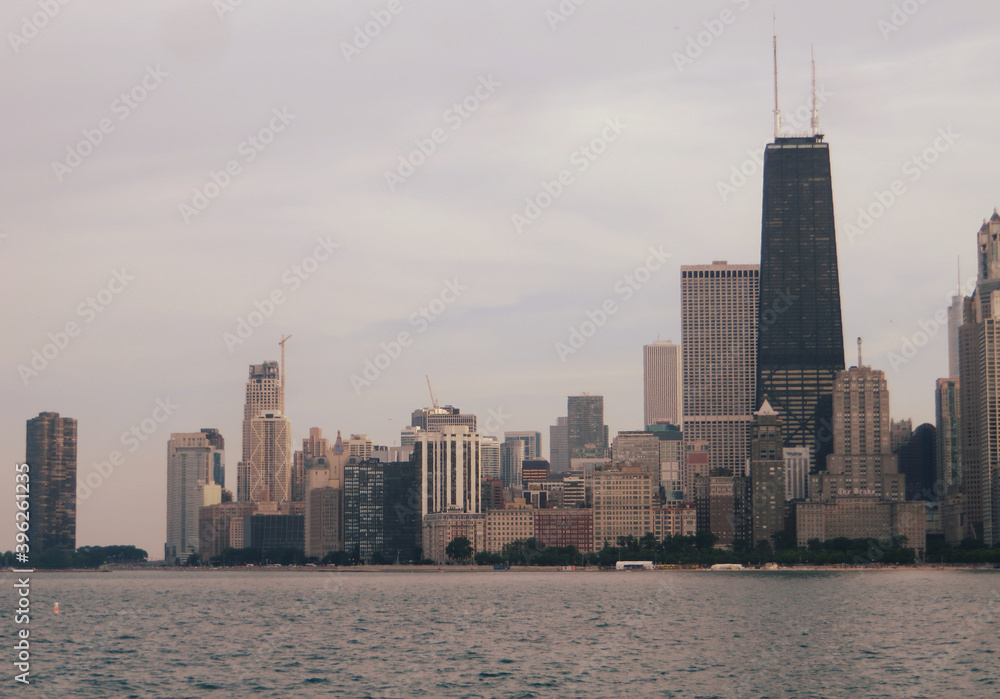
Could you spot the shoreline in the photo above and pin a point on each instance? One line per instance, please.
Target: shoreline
(450, 568)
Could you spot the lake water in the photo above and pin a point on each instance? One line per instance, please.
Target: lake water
(906, 633)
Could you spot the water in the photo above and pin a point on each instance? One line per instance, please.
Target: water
(907, 633)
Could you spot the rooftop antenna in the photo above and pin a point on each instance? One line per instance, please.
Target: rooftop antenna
(815, 106)
(282, 396)
(777, 112)
(859, 354)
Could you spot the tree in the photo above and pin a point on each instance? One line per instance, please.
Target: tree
(460, 549)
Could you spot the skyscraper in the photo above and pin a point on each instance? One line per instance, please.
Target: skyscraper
(270, 462)
(511, 462)
(559, 445)
(588, 435)
(719, 345)
(661, 383)
(450, 470)
(190, 486)
(800, 347)
(218, 454)
(434, 419)
(979, 359)
(50, 452)
(264, 394)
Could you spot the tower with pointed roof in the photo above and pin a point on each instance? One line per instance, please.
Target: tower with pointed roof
(767, 475)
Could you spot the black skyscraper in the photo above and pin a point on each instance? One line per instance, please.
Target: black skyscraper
(800, 347)
(51, 457)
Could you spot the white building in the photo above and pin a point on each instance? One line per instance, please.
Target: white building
(270, 462)
(451, 469)
(662, 382)
(189, 487)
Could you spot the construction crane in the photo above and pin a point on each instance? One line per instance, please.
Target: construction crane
(434, 401)
(282, 343)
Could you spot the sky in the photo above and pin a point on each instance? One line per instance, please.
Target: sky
(445, 189)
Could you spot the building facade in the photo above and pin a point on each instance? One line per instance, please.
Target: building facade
(719, 348)
(270, 459)
(587, 433)
(662, 382)
(190, 486)
(767, 476)
(800, 348)
(622, 504)
(50, 452)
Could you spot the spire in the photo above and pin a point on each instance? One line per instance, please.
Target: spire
(860, 364)
(777, 112)
(282, 377)
(815, 106)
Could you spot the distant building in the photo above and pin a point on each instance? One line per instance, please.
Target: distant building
(268, 532)
(503, 527)
(50, 452)
(622, 503)
(716, 503)
(918, 463)
(639, 449)
(861, 494)
(215, 527)
(662, 381)
(263, 394)
(671, 460)
(489, 447)
(450, 471)
(797, 462)
(492, 494)
(324, 531)
(767, 476)
(381, 519)
(218, 454)
(574, 491)
(511, 462)
(565, 527)
(190, 461)
(559, 455)
(440, 529)
(900, 432)
(436, 419)
(697, 463)
(679, 520)
(312, 447)
(588, 435)
(532, 442)
(270, 458)
(534, 471)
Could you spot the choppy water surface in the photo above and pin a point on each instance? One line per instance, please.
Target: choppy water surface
(510, 634)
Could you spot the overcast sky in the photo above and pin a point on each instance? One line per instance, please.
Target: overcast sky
(242, 151)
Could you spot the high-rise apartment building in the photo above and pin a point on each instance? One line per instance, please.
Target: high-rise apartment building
(190, 486)
(218, 454)
(719, 346)
(949, 443)
(50, 452)
(661, 383)
(588, 435)
(380, 523)
(767, 476)
(270, 462)
(979, 359)
(639, 449)
(800, 347)
(797, 462)
(450, 471)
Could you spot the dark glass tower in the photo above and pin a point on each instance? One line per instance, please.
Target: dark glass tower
(51, 457)
(800, 345)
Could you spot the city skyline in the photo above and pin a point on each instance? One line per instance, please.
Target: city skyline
(153, 354)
